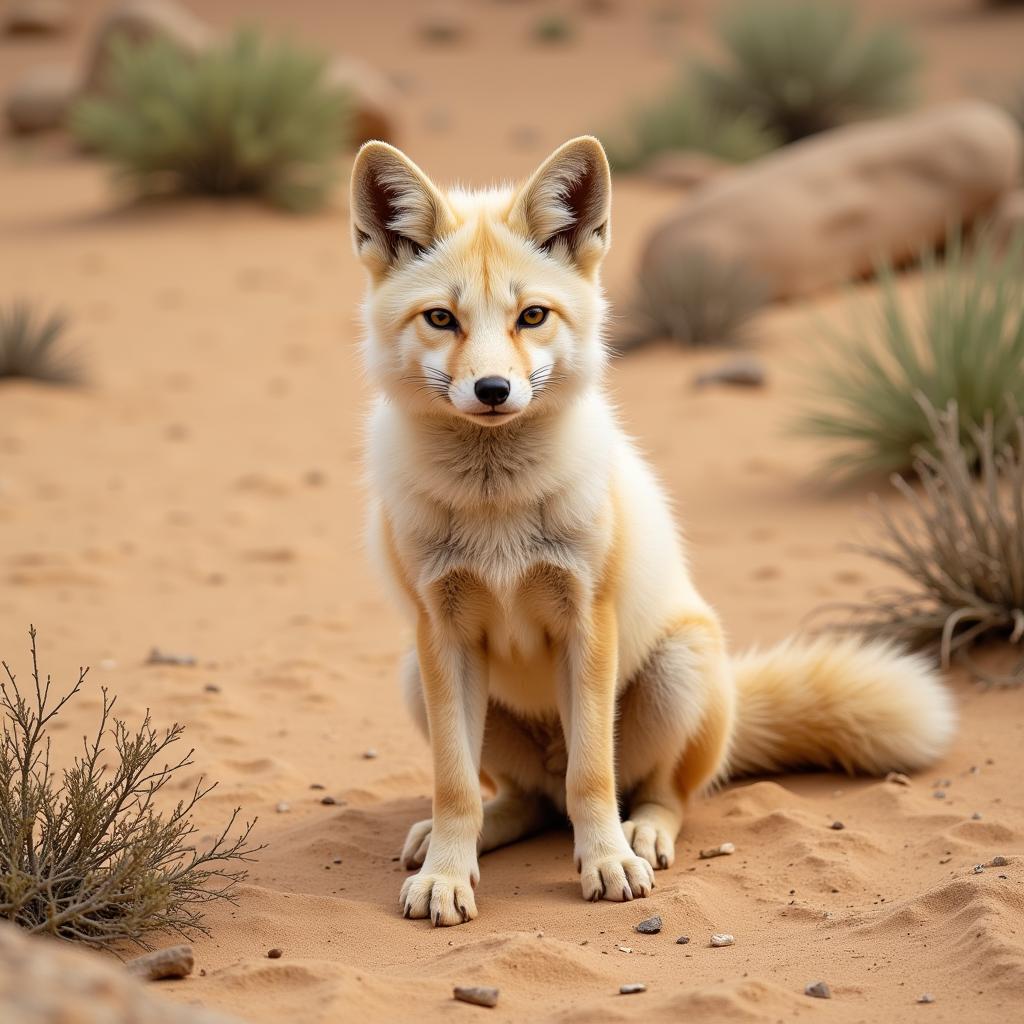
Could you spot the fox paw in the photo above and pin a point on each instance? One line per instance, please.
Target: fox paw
(417, 842)
(445, 899)
(620, 878)
(654, 844)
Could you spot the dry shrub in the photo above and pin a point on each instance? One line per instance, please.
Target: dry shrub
(959, 545)
(84, 853)
(30, 346)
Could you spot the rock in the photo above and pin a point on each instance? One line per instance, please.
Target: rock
(374, 99)
(630, 990)
(275, 953)
(819, 990)
(837, 826)
(650, 926)
(685, 169)
(722, 939)
(47, 982)
(40, 98)
(926, 997)
(682, 940)
(172, 962)
(328, 801)
(898, 778)
(37, 17)
(141, 21)
(722, 850)
(478, 995)
(159, 657)
(743, 371)
(370, 754)
(821, 212)
(283, 807)
(998, 862)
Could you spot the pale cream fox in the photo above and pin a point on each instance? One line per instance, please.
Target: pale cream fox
(561, 648)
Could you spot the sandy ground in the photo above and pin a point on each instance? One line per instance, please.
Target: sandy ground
(202, 494)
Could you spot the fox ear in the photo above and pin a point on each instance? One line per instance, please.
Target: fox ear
(397, 211)
(566, 205)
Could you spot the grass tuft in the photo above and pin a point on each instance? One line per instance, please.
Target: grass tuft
(30, 346)
(84, 853)
(696, 300)
(803, 66)
(964, 345)
(960, 546)
(252, 117)
(553, 28)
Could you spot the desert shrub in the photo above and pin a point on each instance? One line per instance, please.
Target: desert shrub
(685, 119)
(959, 545)
(697, 299)
(30, 346)
(250, 117)
(84, 853)
(964, 344)
(803, 66)
(553, 28)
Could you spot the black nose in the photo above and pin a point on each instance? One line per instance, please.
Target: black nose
(492, 391)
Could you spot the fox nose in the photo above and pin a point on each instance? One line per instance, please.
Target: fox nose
(492, 391)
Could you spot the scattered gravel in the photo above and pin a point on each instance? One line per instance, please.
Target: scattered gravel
(629, 990)
(722, 850)
(478, 995)
(722, 939)
(818, 990)
(650, 926)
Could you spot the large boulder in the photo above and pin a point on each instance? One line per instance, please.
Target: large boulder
(43, 981)
(823, 211)
(39, 100)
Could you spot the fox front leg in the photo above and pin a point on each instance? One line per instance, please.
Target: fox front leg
(455, 694)
(608, 867)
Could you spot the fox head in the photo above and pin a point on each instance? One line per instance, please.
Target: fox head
(484, 306)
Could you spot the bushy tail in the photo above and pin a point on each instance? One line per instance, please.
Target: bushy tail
(865, 707)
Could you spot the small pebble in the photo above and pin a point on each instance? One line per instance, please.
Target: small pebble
(211, 688)
(722, 850)
(722, 939)
(370, 755)
(337, 860)
(158, 657)
(328, 800)
(275, 953)
(629, 990)
(283, 807)
(926, 997)
(624, 949)
(975, 816)
(899, 778)
(682, 940)
(819, 990)
(939, 794)
(979, 869)
(317, 785)
(838, 826)
(650, 926)
(478, 995)
(744, 371)
(998, 862)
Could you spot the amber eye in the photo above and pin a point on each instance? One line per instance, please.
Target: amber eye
(533, 316)
(441, 319)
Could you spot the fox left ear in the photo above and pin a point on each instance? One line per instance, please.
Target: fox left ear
(566, 205)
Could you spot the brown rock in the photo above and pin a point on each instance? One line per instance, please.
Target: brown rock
(47, 982)
(37, 17)
(39, 100)
(478, 995)
(172, 962)
(821, 212)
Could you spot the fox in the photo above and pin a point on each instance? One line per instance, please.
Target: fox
(563, 658)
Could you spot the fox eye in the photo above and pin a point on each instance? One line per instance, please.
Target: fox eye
(441, 319)
(533, 316)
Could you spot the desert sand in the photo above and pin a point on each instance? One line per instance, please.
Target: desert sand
(202, 494)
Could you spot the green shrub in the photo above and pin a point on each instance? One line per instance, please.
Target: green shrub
(84, 854)
(553, 28)
(803, 66)
(965, 344)
(697, 299)
(250, 117)
(959, 545)
(30, 346)
(684, 119)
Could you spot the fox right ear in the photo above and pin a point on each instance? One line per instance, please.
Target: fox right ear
(397, 212)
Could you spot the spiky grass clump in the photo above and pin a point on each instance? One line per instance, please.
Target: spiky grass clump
(960, 546)
(698, 299)
(685, 119)
(252, 117)
(30, 346)
(804, 66)
(965, 345)
(84, 853)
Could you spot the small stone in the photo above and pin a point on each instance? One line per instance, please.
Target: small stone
(283, 807)
(629, 990)
(275, 953)
(975, 816)
(722, 939)
(649, 926)
(317, 785)
(370, 754)
(624, 949)
(898, 778)
(337, 860)
(939, 794)
(722, 850)
(682, 940)
(478, 995)
(743, 371)
(211, 688)
(979, 869)
(818, 990)
(328, 800)
(837, 826)
(998, 862)
(926, 997)
(172, 962)
(158, 657)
